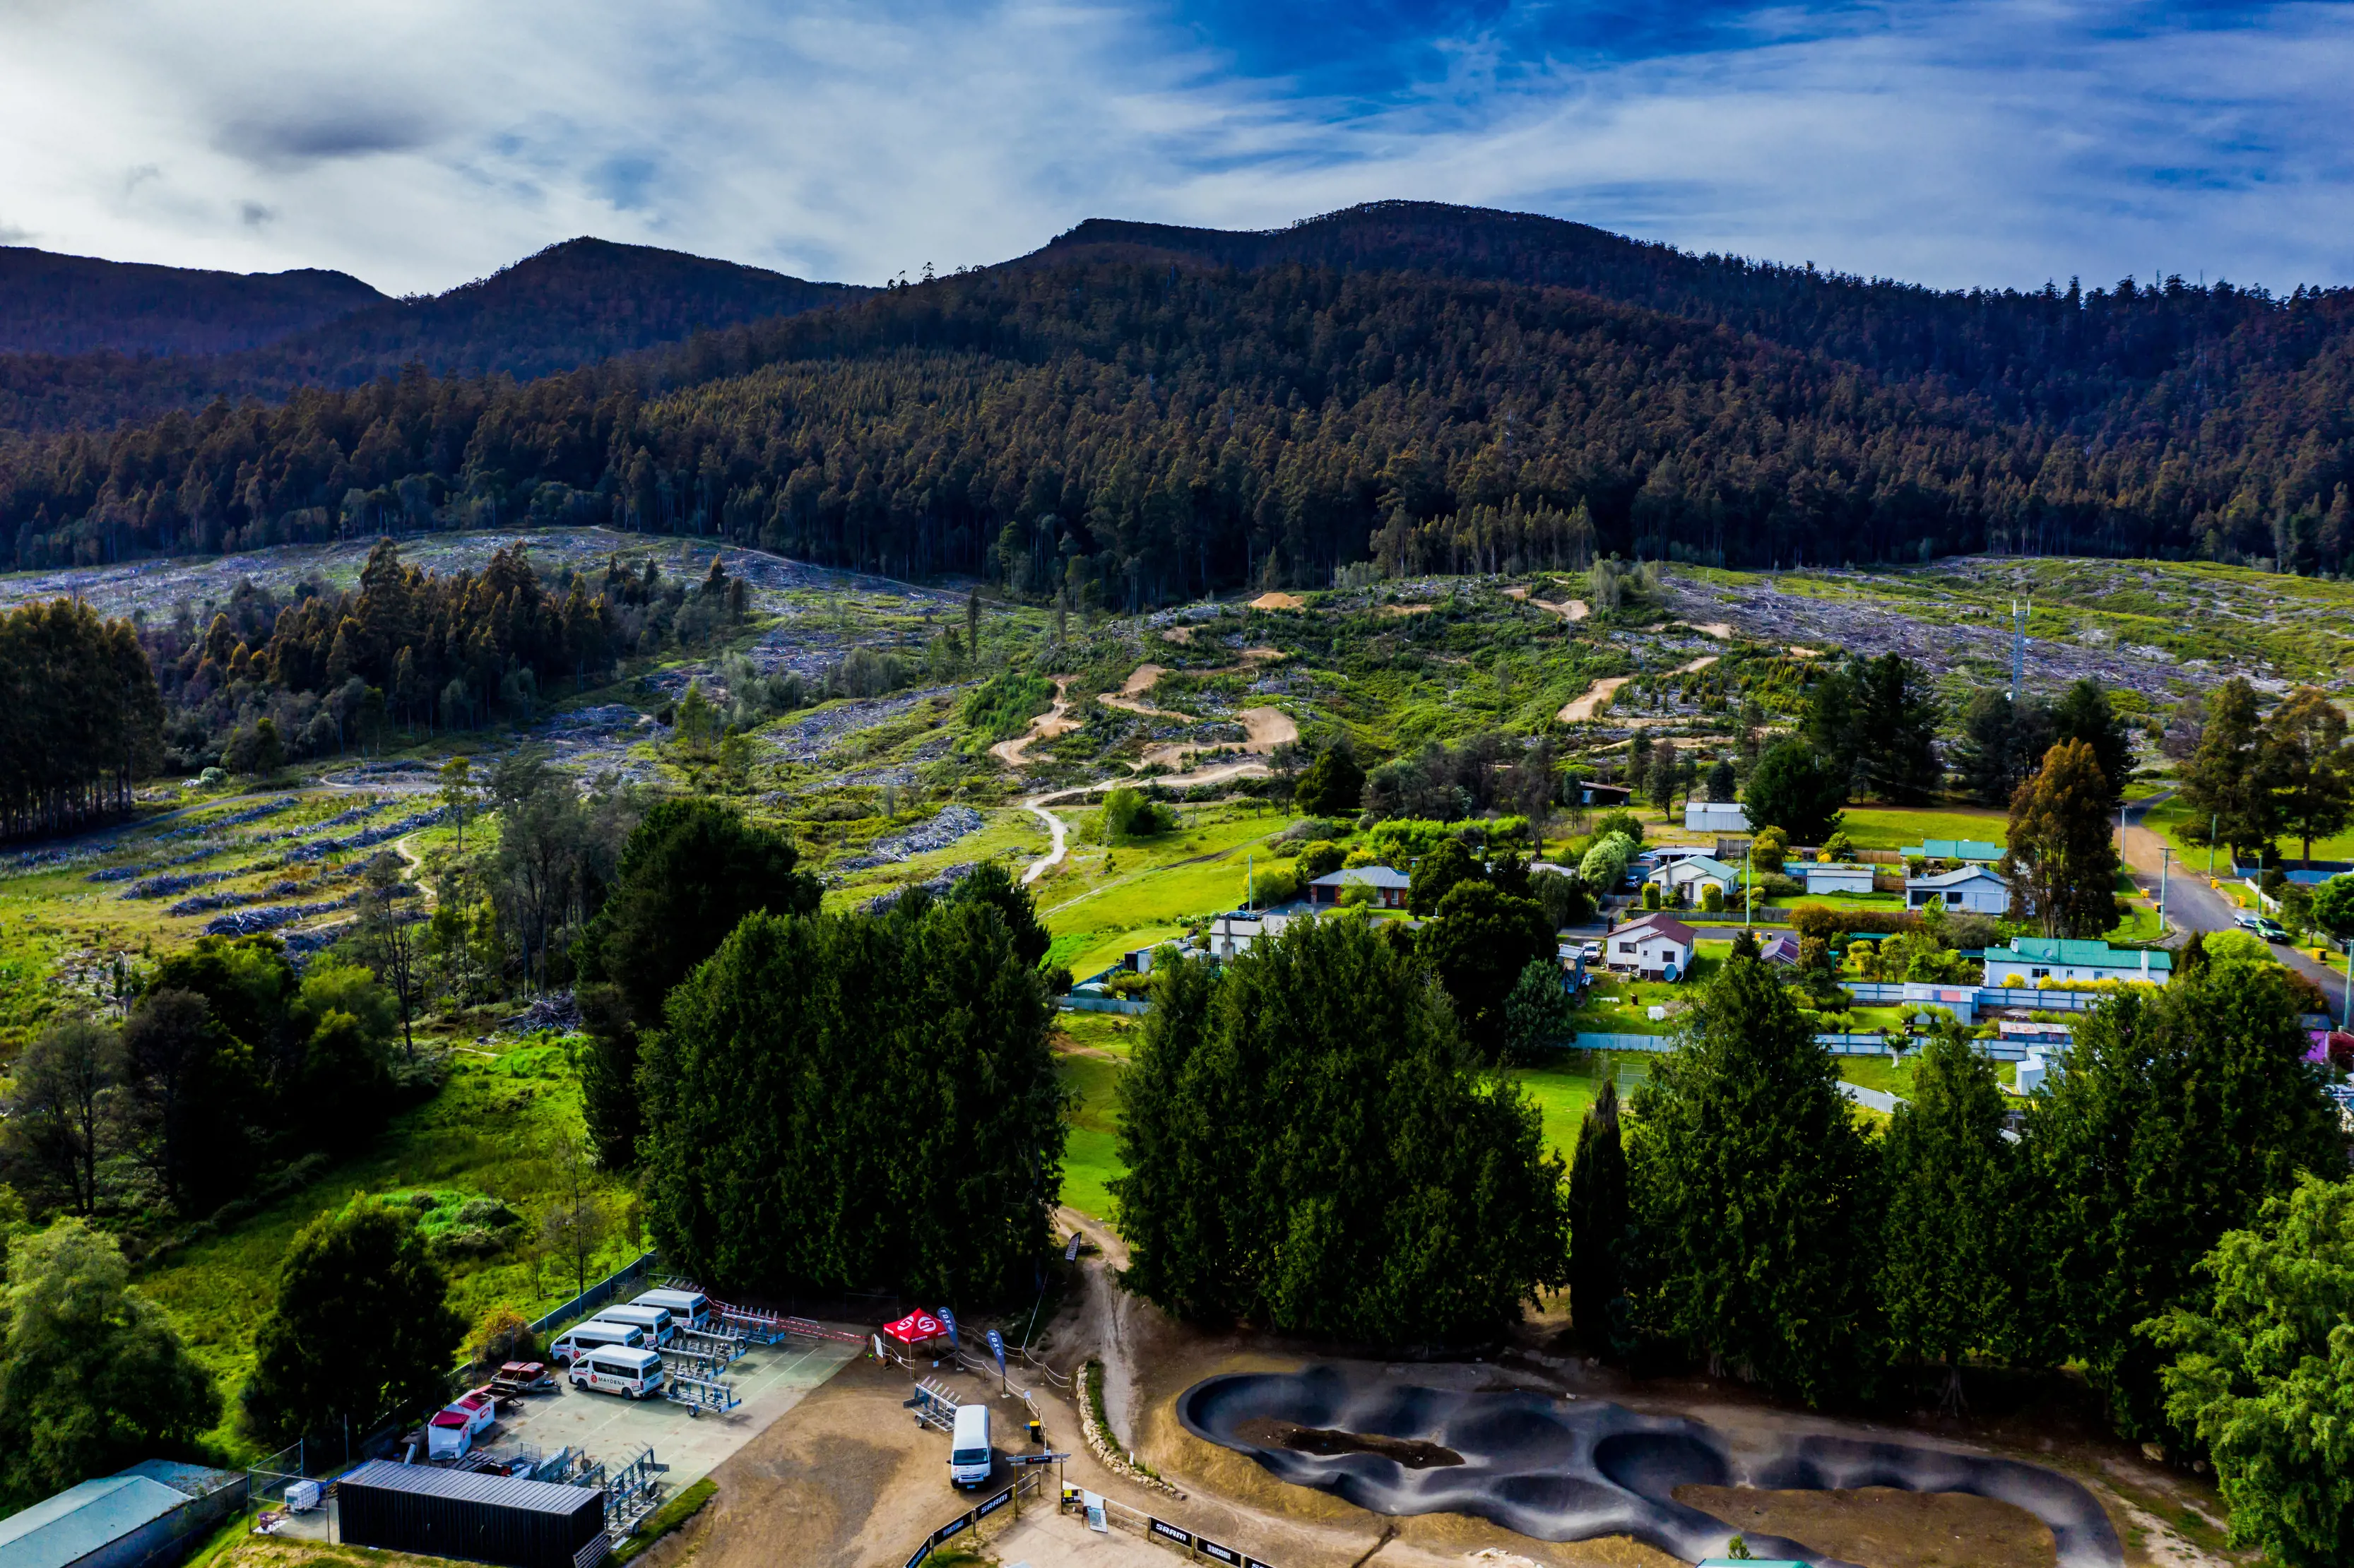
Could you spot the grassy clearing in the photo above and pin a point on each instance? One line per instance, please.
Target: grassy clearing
(1901, 827)
(487, 1133)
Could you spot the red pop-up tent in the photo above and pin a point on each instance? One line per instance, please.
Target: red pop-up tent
(914, 1327)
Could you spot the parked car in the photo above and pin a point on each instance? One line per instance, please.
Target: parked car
(2272, 930)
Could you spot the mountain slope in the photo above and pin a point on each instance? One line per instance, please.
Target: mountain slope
(55, 304)
(571, 304)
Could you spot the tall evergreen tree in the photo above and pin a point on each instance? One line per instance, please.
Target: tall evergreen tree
(1896, 715)
(2059, 858)
(1309, 1145)
(2313, 764)
(690, 872)
(2232, 778)
(1794, 790)
(1947, 1245)
(2083, 713)
(2179, 1112)
(1757, 1195)
(890, 1073)
(1597, 1226)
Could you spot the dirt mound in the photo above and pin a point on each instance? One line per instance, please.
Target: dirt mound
(1278, 601)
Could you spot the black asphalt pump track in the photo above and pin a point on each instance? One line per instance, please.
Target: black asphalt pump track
(1561, 1469)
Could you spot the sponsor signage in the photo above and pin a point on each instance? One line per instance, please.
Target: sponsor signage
(993, 1504)
(1168, 1531)
(1071, 1252)
(1218, 1554)
(921, 1553)
(997, 1349)
(962, 1522)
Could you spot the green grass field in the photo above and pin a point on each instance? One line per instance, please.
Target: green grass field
(1901, 827)
(487, 1132)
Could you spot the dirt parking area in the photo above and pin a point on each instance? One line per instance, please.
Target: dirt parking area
(848, 1479)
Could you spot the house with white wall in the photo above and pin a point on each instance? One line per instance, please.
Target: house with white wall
(1654, 947)
(1973, 890)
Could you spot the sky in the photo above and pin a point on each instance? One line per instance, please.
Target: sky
(418, 145)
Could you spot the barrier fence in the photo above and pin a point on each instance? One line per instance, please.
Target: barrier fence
(1116, 1514)
(596, 1295)
(1001, 1509)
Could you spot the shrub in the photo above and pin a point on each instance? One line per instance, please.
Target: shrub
(1127, 814)
(1712, 898)
(1003, 705)
(501, 1336)
(1321, 859)
(1650, 895)
(1273, 884)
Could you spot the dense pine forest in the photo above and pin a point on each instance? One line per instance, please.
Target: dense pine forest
(1139, 413)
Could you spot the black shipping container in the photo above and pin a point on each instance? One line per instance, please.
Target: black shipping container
(483, 1519)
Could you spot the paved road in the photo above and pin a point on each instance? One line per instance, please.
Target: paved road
(2192, 905)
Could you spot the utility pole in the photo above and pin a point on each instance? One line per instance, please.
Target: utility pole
(2214, 819)
(2166, 859)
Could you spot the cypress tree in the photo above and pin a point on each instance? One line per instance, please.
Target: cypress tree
(1597, 1225)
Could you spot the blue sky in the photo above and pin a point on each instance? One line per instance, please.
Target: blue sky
(420, 144)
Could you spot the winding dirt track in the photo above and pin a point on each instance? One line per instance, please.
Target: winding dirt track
(1054, 721)
(1579, 709)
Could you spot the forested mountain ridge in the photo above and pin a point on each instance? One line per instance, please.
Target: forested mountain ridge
(54, 304)
(1115, 418)
(2049, 353)
(572, 304)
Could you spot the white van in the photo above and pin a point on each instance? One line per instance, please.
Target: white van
(612, 1370)
(692, 1308)
(578, 1340)
(968, 1456)
(657, 1321)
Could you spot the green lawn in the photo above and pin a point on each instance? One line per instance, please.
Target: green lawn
(2187, 830)
(1901, 827)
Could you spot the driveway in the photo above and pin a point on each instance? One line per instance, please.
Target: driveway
(2192, 905)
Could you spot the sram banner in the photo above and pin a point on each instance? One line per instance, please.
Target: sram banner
(1201, 1543)
(1168, 1531)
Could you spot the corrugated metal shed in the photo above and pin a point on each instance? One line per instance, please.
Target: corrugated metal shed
(487, 1518)
(136, 1517)
(78, 1521)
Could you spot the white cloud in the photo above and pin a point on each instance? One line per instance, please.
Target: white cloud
(420, 145)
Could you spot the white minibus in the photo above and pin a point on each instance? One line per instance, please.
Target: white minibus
(692, 1308)
(659, 1322)
(578, 1340)
(968, 1456)
(612, 1370)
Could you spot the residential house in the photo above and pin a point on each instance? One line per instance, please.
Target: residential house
(1975, 851)
(1780, 949)
(1716, 817)
(1839, 876)
(1654, 947)
(2057, 959)
(1593, 792)
(1389, 887)
(1973, 889)
(1232, 933)
(1681, 879)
